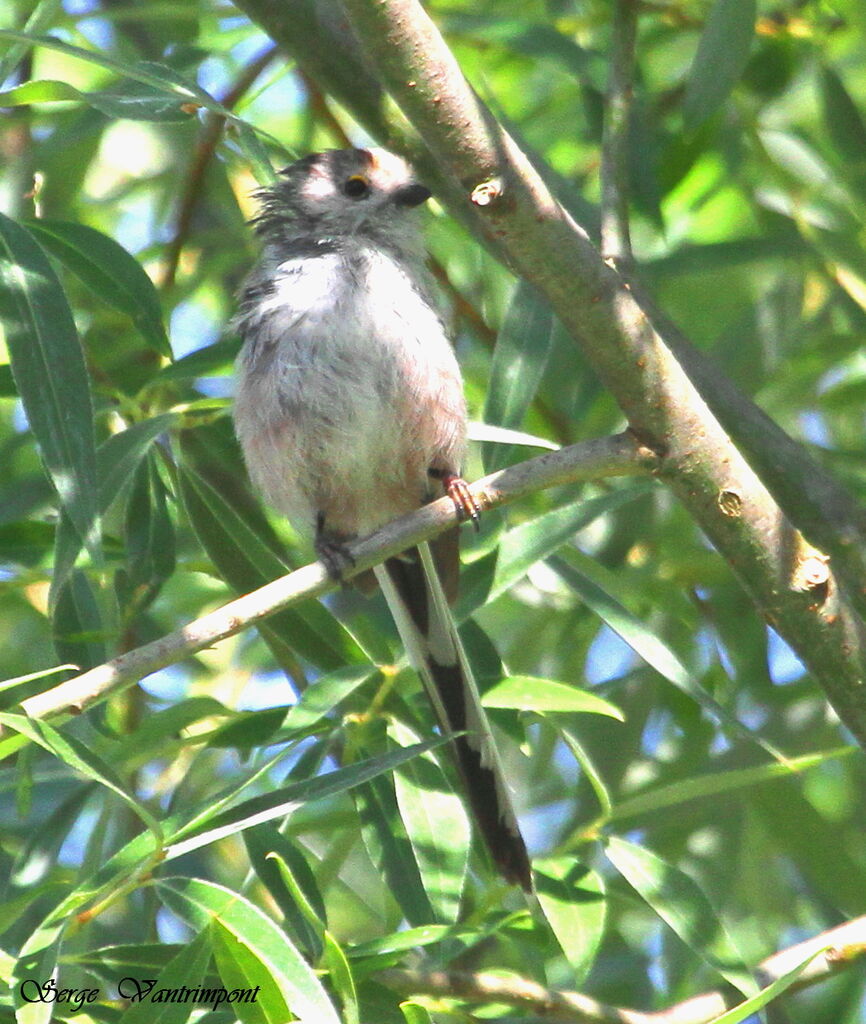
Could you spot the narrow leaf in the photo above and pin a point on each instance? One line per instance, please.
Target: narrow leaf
(118, 457)
(713, 784)
(721, 57)
(341, 979)
(535, 540)
(109, 271)
(530, 693)
(650, 647)
(437, 826)
(50, 374)
(683, 906)
(255, 945)
(519, 360)
(573, 900)
(186, 968)
(757, 1002)
(80, 758)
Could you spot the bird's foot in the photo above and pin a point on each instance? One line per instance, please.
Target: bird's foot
(464, 500)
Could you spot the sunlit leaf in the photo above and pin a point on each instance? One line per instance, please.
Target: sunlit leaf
(252, 951)
(529, 693)
(573, 900)
(436, 823)
(683, 906)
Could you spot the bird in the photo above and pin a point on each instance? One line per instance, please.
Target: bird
(350, 411)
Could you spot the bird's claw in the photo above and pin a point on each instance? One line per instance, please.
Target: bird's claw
(464, 500)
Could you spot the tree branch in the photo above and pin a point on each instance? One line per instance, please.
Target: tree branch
(615, 235)
(324, 45)
(791, 582)
(211, 132)
(842, 947)
(592, 460)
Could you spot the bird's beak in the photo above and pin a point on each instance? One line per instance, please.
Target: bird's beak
(412, 195)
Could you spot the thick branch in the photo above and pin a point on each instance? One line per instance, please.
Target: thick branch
(591, 460)
(842, 947)
(320, 40)
(790, 582)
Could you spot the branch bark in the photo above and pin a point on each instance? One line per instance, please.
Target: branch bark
(620, 455)
(842, 947)
(792, 583)
(317, 35)
(615, 234)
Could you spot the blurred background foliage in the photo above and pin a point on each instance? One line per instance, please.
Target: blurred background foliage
(675, 846)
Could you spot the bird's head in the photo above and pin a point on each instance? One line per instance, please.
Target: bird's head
(342, 192)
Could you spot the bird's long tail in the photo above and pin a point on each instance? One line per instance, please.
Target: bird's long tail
(414, 592)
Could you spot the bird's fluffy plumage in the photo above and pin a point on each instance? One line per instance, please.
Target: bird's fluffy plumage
(350, 411)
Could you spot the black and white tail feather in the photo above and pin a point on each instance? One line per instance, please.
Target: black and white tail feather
(414, 593)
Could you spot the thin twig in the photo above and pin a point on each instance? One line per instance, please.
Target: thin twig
(203, 154)
(592, 460)
(836, 949)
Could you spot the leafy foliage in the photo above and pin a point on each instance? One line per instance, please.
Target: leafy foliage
(269, 813)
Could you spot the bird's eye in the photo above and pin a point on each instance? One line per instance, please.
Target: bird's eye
(356, 187)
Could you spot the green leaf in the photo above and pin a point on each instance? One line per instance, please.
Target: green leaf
(118, 456)
(208, 828)
(124, 99)
(50, 374)
(325, 693)
(721, 57)
(110, 272)
(248, 729)
(651, 648)
(415, 1013)
(501, 435)
(81, 759)
(284, 871)
(240, 969)
(532, 541)
(255, 152)
(572, 897)
(42, 17)
(149, 536)
(211, 360)
(531, 693)
(842, 119)
(159, 77)
(519, 360)
(385, 837)
(704, 787)
(758, 1001)
(437, 826)
(76, 622)
(341, 979)
(36, 964)
(249, 945)
(684, 907)
(186, 968)
(7, 684)
(589, 769)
